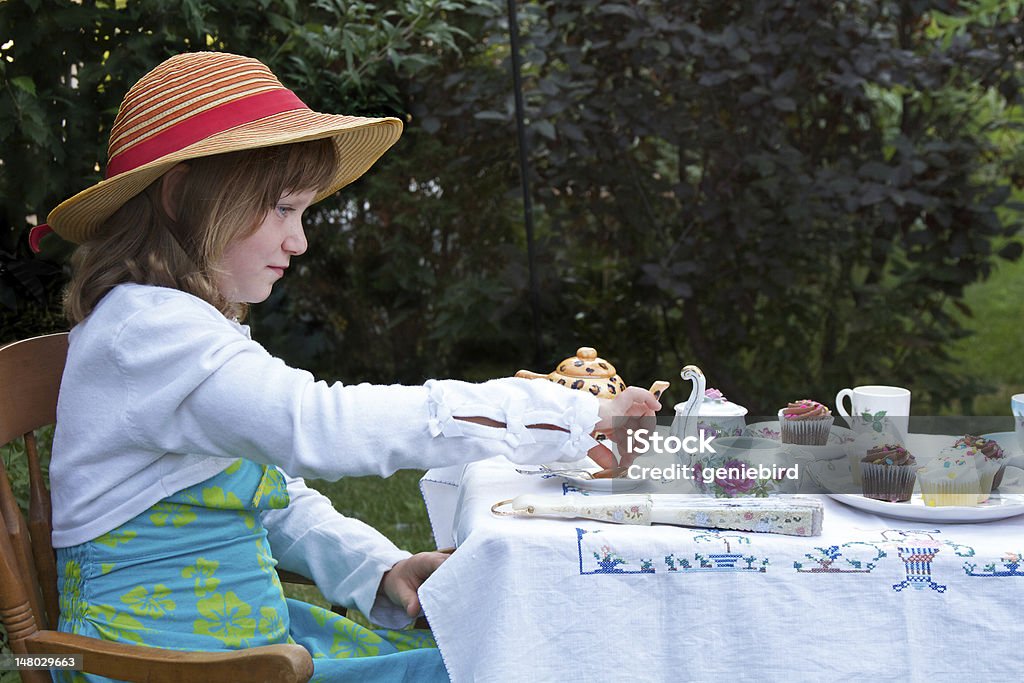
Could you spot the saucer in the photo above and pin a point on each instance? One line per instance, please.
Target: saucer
(838, 437)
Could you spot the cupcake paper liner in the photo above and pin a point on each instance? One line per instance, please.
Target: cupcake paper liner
(813, 432)
(944, 492)
(987, 471)
(998, 478)
(892, 483)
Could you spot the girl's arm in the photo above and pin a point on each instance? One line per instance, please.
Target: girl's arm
(194, 383)
(345, 557)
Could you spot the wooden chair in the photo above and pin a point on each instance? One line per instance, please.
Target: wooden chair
(30, 374)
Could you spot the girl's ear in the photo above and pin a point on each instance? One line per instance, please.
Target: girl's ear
(170, 189)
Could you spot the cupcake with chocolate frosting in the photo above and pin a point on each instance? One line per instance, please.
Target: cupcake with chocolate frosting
(855, 451)
(888, 473)
(806, 423)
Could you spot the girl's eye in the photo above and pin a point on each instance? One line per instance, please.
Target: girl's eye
(283, 210)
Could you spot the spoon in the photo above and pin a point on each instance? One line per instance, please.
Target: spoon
(609, 473)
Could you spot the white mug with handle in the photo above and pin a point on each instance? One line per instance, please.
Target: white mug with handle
(874, 405)
(1017, 408)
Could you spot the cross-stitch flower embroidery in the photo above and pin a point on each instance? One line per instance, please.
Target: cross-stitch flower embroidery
(608, 560)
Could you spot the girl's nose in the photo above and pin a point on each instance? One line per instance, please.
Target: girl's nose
(295, 243)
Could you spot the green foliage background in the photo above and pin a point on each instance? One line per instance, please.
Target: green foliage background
(791, 195)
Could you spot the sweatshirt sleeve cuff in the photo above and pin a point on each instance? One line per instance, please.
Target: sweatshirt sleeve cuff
(525, 403)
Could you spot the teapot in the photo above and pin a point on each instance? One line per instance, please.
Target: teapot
(587, 372)
(706, 409)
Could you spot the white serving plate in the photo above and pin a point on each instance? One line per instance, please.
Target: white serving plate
(1002, 503)
(999, 506)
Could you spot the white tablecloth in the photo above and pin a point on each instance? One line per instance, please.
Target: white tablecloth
(575, 600)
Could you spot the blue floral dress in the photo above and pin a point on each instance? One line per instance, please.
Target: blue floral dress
(194, 572)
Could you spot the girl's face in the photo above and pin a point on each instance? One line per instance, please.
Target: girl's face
(250, 266)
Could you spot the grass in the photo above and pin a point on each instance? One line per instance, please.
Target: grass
(995, 353)
(393, 506)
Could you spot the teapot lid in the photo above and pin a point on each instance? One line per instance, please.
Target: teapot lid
(585, 364)
(715, 404)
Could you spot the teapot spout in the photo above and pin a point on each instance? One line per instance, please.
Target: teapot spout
(526, 374)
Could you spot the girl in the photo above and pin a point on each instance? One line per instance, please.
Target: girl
(181, 444)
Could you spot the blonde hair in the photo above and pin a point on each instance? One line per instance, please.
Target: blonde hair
(221, 199)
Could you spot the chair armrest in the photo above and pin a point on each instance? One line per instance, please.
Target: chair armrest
(268, 663)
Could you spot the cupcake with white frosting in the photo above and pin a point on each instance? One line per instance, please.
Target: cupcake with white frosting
(988, 457)
(950, 479)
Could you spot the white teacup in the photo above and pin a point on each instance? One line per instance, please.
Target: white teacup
(1017, 407)
(874, 406)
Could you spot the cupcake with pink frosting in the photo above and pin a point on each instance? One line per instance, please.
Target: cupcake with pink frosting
(806, 423)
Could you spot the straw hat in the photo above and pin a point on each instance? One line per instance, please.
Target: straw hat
(202, 103)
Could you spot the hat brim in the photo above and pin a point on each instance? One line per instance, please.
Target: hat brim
(360, 142)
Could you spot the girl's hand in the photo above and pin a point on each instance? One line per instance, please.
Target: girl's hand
(401, 582)
(633, 408)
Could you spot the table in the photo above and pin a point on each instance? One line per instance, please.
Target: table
(577, 600)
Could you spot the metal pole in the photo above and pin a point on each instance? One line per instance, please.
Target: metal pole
(524, 174)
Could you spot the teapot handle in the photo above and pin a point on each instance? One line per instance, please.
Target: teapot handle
(694, 374)
(684, 422)
(658, 388)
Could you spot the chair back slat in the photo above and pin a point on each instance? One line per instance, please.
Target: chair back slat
(16, 612)
(34, 367)
(30, 374)
(19, 545)
(40, 528)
